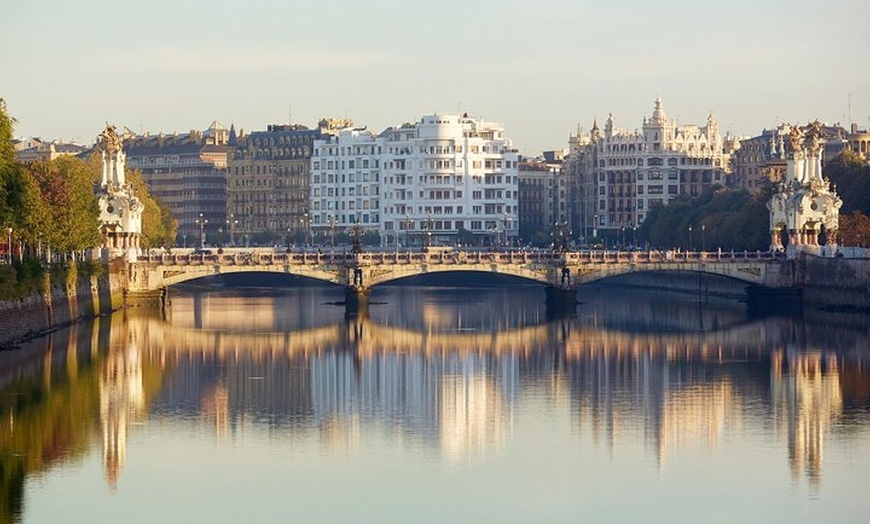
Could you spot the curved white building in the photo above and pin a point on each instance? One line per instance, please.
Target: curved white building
(449, 179)
(444, 180)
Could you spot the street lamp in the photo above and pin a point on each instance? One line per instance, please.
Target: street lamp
(305, 226)
(428, 238)
(703, 240)
(594, 226)
(231, 226)
(331, 220)
(690, 238)
(407, 229)
(202, 222)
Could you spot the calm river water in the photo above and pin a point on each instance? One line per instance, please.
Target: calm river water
(442, 405)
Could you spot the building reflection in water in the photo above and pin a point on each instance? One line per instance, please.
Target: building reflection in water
(807, 400)
(302, 373)
(122, 398)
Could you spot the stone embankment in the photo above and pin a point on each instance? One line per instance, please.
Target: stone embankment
(62, 304)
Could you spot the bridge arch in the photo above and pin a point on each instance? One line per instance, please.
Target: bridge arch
(377, 276)
(364, 270)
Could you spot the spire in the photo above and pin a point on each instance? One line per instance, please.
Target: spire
(233, 140)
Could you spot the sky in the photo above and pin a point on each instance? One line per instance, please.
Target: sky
(540, 67)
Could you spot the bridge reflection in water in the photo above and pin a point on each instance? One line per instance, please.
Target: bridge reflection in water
(458, 391)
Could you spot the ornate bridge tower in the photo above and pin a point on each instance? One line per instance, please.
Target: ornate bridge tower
(804, 202)
(120, 209)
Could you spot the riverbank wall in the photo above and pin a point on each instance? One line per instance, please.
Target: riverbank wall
(833, 283)
(66, 298)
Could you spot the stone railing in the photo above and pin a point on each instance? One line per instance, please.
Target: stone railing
(454, 257)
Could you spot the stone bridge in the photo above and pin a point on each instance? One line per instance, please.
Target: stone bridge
(358, 272)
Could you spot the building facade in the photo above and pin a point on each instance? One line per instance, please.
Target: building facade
(544, 200)
(449, 179)
(268, 190)
(187, 173)
(761, 160)
(620, 175)
(35, 149)
(345, 183)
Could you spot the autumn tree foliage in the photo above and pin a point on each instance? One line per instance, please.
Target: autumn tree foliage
(53, 204)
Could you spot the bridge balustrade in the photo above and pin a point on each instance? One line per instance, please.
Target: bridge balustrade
(457, 257)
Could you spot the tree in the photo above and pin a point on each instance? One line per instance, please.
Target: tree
(12, 185)
(719, 218)
(850, 174)
(70, 208)
(854, 230)
(158, 225)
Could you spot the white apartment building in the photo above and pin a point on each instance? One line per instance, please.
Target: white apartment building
(448, 179)
(445, 180)
(345, 182)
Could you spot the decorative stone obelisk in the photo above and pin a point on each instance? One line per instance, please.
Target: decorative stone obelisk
(804, 202)
(120, 209)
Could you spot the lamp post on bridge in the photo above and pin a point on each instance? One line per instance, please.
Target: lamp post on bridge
(331, 221)
(202, 222)
(407, 229)
(703, 240)
(690, 238)
(595, 226)
(427, 238)
(231, 226)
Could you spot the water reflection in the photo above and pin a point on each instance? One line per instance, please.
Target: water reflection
(433, 371)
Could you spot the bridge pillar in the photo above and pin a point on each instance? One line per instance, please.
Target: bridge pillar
(560, 301)
(156, 299)
(356, 301)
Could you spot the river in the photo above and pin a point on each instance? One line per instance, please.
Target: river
(442, 404)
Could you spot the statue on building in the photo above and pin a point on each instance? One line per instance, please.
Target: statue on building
(796, 141)
(112, 156)
(814, 135)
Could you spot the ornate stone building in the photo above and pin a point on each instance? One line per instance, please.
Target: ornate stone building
(619, 175)
(120, 209)
(761, 160)
(803, 204)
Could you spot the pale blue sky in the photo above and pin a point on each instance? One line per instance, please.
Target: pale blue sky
(538, 66)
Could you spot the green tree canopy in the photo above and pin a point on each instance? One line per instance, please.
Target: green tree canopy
(850, 174)
(158, 225)
(718, 218)
(70, 205)
(12, 185)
